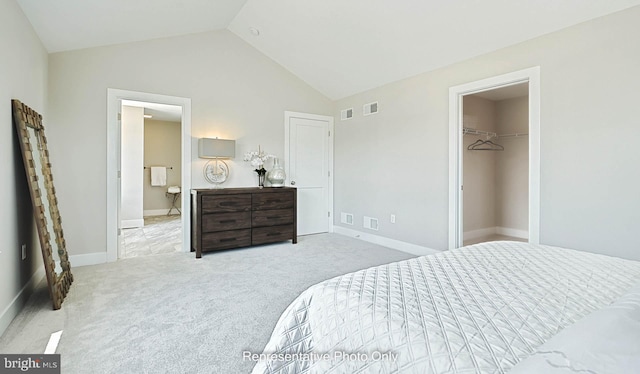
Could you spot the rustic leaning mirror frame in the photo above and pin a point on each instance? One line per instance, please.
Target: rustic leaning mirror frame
(26, 119)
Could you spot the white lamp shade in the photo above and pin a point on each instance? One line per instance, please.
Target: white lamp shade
(216, 148)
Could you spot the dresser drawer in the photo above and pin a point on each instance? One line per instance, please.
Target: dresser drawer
(262, 235)
(226, 203)
(276, 200)
(226, 221)
(226, 240)
(232, 218)
(271, 217)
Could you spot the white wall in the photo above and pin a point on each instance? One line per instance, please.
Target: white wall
(132, 166)
(23, 76)
(397, 161)
(479, 167)
(512, 165)
(236, 93)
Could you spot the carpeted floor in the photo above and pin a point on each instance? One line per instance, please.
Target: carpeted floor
(171, 313)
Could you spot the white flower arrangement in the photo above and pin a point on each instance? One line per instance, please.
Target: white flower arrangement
(257, 158)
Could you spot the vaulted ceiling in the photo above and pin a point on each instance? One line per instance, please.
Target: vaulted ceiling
(340, 47)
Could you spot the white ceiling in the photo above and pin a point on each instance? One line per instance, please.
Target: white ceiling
(339, 47)
(64, 25)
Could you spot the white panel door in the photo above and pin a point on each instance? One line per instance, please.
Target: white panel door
(308, 170)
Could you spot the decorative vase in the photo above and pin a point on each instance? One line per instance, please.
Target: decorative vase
(261, 173)
(276, 176)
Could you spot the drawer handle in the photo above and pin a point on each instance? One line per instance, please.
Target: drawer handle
(228, 221)
(227, 240)
(274, 234)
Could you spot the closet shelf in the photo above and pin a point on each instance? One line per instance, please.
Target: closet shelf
(470, 131)
(489, 134)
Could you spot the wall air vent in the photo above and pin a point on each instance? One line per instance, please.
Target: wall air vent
(369, 109)
(346, 218)
(370, 223)
(346, 114)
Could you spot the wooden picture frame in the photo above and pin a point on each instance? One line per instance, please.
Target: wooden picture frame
(35, 157)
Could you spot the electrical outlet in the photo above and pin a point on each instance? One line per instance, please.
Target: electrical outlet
(24, 251)
(392, 218)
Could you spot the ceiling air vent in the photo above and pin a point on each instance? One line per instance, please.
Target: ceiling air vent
(371, 108)
(346, 114)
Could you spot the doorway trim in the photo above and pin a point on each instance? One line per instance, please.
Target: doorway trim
(530, 75)
(287, 117)
(114, 99)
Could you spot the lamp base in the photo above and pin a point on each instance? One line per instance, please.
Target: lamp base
(216, 172)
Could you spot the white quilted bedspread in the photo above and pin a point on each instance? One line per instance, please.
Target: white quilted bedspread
(481, 308)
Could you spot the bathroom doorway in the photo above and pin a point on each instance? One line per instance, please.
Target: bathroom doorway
(162, 216)
(150, 198)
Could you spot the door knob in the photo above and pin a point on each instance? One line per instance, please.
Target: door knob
(293, 183)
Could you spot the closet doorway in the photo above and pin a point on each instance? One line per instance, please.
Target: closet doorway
(495, 165)
(494, 160)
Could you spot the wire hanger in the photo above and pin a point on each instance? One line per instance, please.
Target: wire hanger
(485, 145)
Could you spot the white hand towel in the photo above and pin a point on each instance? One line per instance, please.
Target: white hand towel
(158, 176)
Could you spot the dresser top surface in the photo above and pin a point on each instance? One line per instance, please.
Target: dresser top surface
(238, 190)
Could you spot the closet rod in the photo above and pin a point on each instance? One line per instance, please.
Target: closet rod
(514, 135)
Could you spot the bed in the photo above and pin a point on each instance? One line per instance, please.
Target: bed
(486, 308)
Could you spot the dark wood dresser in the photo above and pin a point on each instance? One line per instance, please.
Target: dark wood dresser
(239, 217)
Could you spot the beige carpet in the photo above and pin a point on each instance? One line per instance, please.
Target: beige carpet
(171, 313)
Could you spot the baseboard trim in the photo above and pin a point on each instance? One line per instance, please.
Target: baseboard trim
(131, 223)
(160, 212)
(413, 249)
(18, 302)
(475, 234)
(87, 259)
(516, 233)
